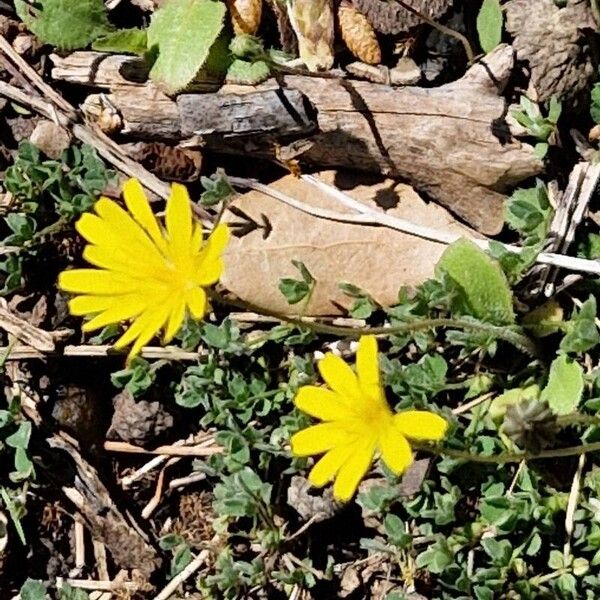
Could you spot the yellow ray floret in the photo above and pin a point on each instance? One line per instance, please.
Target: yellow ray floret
(357, 423)
(145, 273)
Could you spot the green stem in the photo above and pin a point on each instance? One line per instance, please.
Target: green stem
(514, 338)
(508, 457)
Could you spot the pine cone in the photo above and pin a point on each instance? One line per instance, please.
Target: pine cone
(391, 18)
(167, 162)
(358, 34)
(138, 422)
(245, 15)
(553, 41)
(530, 424)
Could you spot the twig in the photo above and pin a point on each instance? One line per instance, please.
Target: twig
(572, 505)
(373, 217)
(108, 149)
(156, 497)
(155, 352)
(104, 586)
(513, 483)
(192, 478)
(28, 334)
(194, 565)
(443, 29)
(459, 410)
(79, 545)
(302, 529)
(159, 460)
(508, 457)
(101, 562)
(198, 450)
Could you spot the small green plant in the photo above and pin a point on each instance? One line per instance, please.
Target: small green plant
(48, 195)
(541, 128)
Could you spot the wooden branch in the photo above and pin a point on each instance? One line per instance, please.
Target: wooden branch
(106, 522)
(451, 142)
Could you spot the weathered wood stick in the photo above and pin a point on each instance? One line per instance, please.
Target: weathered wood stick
(450, 142)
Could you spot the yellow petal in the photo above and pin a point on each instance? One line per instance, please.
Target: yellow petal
(340, 377)
(322, 404)
(208, 273)
(94, 230)
(95, 282)
(125, 227)
(145, 327)
(367, 367)
(214, 247)
(328, 465)
(353, 470)
(138, 205)
(134, 265)
(318, 439)
(395, 450)
(154, 324)
(175, 320)
(421, 425)
(197, 238)
(85, 305)
(195, 299)
(178, 219)
(122, 308)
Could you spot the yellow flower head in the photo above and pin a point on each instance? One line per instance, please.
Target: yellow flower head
(144, 273)
(358, 422)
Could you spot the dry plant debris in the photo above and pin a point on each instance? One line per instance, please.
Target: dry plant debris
(353, 395)
(554, 42)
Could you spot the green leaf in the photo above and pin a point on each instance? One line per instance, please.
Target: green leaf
(528, 212)
(183, 32)
(136, 378)
(565, 385)
(595, 106)
(20, 439)
(396, 531)
(582, 333)
(483, 288)
(293, 289)
(541, 149)
(72, 593)
(66, 24)
(362, 308)
(128, 41)
(489, 24)
(436, 558)
(243, 72)
(33, 590)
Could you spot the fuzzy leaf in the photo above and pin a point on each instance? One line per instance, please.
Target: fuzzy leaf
(130, 41)
(243, 72)
(66, 24)
(489, 25)
(565, 385)
(183, 32)
(582, 333)
(483, 288)
(512, 397)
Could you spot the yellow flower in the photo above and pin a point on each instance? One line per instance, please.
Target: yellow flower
(358, 423)
(146, 274)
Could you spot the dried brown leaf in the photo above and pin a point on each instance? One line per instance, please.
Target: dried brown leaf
(377, 259)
